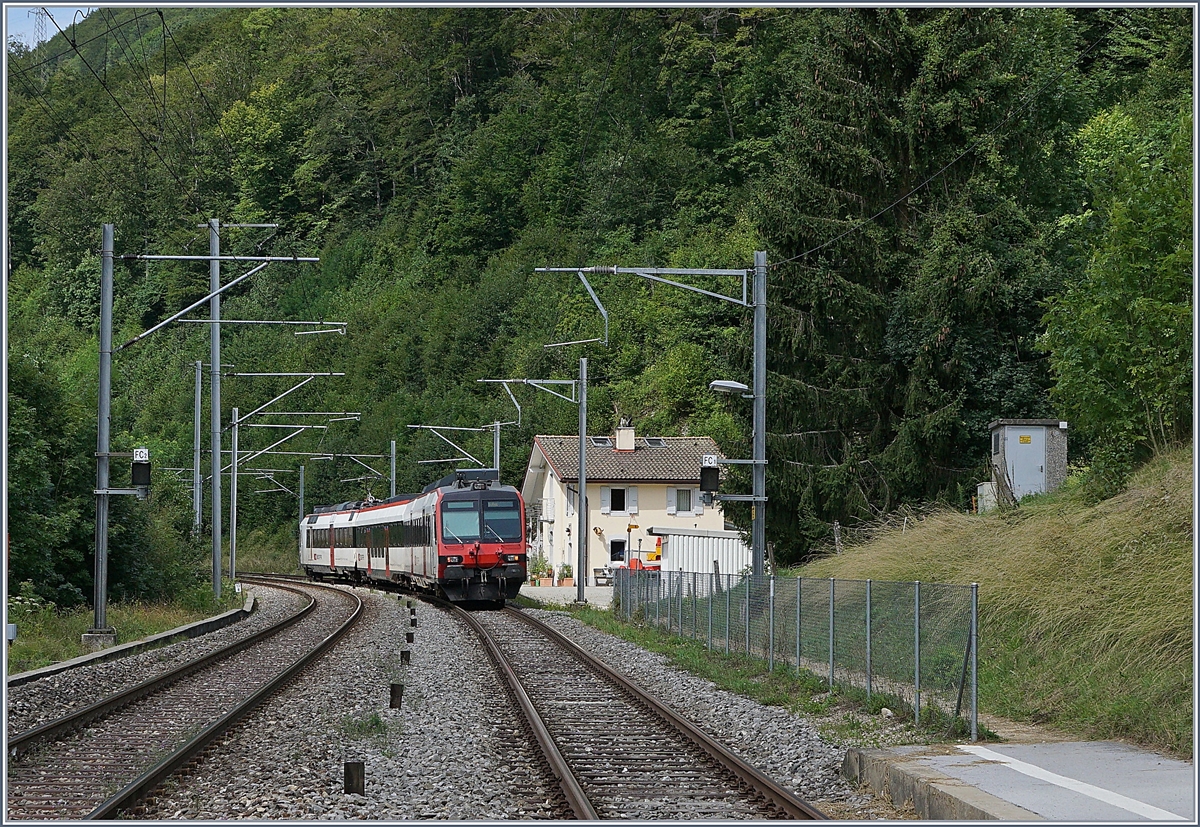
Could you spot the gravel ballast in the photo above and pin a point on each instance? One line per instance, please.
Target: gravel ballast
(450, 752)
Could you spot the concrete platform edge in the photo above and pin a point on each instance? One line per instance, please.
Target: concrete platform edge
(934, 796)
(200, 627)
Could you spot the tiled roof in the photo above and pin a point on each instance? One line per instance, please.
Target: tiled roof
(677, 461)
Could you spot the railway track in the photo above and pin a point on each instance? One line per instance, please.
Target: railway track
(101, 760)
(616, 751)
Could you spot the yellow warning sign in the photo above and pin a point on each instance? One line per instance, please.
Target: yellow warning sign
(1026, 439)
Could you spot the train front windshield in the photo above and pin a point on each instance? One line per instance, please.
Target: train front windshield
(501, 521)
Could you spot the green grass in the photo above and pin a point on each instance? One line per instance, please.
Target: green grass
(371, 727)
(46, 635)
(1085, 610)
(262, 550)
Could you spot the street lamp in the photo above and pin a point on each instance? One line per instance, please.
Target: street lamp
(729, 386)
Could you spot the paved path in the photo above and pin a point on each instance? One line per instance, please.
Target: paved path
(598, 596)
(1060, 780)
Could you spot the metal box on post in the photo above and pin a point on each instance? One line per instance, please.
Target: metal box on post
(139, 469)
(1028, 456)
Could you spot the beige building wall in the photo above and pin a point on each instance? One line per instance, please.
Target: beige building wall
(558, 515)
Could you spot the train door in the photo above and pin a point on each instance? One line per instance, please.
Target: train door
(388, 531)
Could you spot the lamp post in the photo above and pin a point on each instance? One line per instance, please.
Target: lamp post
(759, 463)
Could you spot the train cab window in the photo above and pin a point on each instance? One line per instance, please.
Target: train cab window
(460, 521)
(501, 521)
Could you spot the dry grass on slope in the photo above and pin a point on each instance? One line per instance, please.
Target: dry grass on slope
(1086, 610)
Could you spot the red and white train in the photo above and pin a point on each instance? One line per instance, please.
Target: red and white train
(463, 538)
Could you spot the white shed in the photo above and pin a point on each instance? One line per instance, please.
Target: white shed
(697, 550)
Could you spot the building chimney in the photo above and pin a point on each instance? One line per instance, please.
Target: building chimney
(624, 438)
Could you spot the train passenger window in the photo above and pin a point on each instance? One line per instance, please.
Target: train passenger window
(460, 521)
(501, 521)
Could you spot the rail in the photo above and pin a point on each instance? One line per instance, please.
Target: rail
(21, 742)
(788, 803)
(155, 775)
(573, 789)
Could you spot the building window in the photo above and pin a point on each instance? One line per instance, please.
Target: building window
(683, 499)
(616, 551)
(618, 500)
(684, 502)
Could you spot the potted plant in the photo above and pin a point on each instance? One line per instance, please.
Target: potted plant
(539, 570)
(564, 575)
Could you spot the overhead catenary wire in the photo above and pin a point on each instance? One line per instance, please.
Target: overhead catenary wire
(199, 88)
(64, 126)
(55, 57)
(104, 85)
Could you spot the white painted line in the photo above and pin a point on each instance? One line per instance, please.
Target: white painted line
(1107, 796)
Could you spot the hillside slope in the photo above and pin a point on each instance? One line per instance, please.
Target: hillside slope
(1086, 619)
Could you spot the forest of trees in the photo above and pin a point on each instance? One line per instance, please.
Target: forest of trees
(969, 214)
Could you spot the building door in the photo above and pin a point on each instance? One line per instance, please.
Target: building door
(1025, 456)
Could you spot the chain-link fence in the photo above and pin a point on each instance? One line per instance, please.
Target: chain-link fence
(911, 640)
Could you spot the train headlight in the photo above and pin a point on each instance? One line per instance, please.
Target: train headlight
(454, 558)
(512, 558)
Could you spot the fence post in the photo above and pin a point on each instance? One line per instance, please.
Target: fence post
(682, 590)
(711, 589)
(670, 599)
(799, 599)
(771, 628)
(728, 618)
(695, 610)
(917, 652)
(831, 582)
(658, 584)
(868, 639)
(749, 588)
(974, 660)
